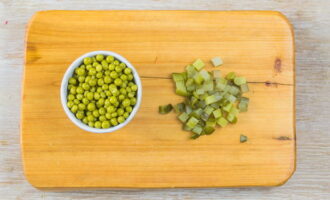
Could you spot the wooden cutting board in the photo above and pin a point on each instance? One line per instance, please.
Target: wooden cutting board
(153, 151)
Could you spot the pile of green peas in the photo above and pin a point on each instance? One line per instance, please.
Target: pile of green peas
(102, 92)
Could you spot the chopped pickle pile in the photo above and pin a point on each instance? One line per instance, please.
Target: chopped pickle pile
(210, 99)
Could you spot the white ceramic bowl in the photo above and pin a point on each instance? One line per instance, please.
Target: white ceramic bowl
(64, 87)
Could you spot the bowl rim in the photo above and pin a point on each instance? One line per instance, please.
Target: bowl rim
(68, 73)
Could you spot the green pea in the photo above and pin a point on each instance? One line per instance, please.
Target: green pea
(90, 95)
(88, 78)
(129, 109)
(107, 72)
(97, 96)
(99, 75)
(99, 57)
(111, 109)
(124, 85)
(113, 99)
(105, 124)
(120, 119)
(98, 124)
(107, 79)
(108, 93)
(93, 89)
(80, 90)
(95, 63)
(80, 114)
(112, 67)
(121, 97)
(85, 101)
(126, 102)
(106, 103)
(123, 65)
(90, 118)
(87, 60)
(128, 89)
(85, 120)
(105, 87)
(134, 88)
(127, 71)
(131, 94)
(100, 82)
(118, 69)
(88, 67)
(123, 77)
(85, 86)
(114, 114)
(81, 71)
(91, 124)
(112, 86)
(108, 115)
(114, 91)
(92, 82)
(81, 79)
(126, 115)
(114, 121)
(99, 89)
(88, 113)
(100, 102)
(81, 106)
(113, 75)
(73, 90)
(79, 96)
(120, 111)
(116, 104)
(116, 62)
(110, 59)
(130, 84)
(91, 106)
(118, 82)
(74, 108)
(92, 71)
(103, 95)
(99, 67)
(96, 113)
(130, 77)
(133, 101)
(104, 64)
(73, 81)
(76, 101)
(70, 86)
(70, 97)
(70, 104)
(102, 118)
(102, 111)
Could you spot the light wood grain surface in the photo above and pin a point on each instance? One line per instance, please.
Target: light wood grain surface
(311, 21)
(152, 151)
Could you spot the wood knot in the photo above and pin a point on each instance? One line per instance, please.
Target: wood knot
(269, 84)
(278, 65)
(282, 138)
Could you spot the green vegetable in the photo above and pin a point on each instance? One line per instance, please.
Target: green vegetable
(210, 99)
(239, 80)
(216, 61)
(222, 122)
(101, 91)
(183, 117)
(165, 109)
(243, 138)
(198, 64)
